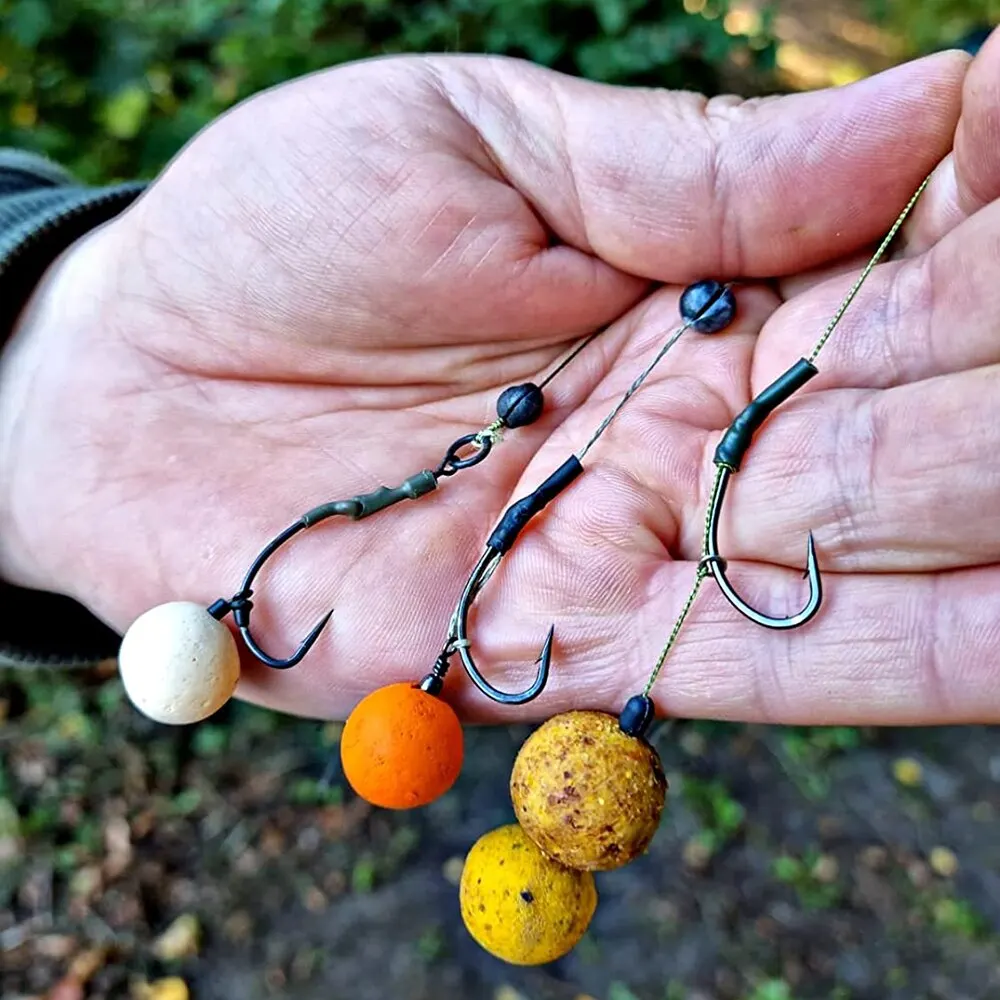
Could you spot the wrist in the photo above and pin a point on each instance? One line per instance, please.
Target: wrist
(38, 394)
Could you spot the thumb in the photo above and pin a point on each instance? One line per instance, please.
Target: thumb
(673, 186)
(969, 179)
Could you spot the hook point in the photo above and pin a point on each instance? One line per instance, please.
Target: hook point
(812, 563)
(546, 654)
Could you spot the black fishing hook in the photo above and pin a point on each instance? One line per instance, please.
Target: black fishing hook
(355, 508)
(499, 543)
(517, 406)
(639, 712)
(734, 444)
(728, 456)
(706, 306)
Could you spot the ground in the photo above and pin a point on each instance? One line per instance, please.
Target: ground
(830, 863)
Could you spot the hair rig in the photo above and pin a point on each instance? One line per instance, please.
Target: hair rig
(402, 746)
(178, 662)
(588, 789)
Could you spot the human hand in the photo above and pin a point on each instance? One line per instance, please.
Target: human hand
(336, 280)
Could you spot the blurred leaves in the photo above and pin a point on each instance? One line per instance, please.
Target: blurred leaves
(931, 24)
(113, 88)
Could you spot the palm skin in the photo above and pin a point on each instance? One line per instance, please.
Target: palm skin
(337, 279)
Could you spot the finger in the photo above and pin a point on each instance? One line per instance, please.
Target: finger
(913, 319)
(902, 480)
(672, 187)
(883, 650)
(969, 177)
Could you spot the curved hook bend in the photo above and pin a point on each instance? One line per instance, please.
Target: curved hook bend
(716, 565)
(513, 522)
(354, 508)
(459, 639)
(728, 456)
(241, 605)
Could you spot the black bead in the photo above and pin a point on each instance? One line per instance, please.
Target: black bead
(433, 684)
(637, 715)
(708, 306)
(520, 405)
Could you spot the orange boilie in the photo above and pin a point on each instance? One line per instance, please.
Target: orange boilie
(401, 747)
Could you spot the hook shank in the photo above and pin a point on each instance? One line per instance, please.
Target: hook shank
(716, 565)
(736, 441)
(511, 524)
(355, 508)
(729, 456)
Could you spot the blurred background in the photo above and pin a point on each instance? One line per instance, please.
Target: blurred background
(229, 861)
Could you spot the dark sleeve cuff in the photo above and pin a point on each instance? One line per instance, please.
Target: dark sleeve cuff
(43, 211)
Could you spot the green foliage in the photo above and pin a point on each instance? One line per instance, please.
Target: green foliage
(801, 875)
(363, 875)
(959, 918)
(210, 740)
(720, 815)
(186, 802)
(619, 991)
(771, 989)
(932, 24)
(310, 792)
(806, 752)
(432, 944)
(113, 88)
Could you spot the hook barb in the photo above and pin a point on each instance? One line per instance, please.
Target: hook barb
(241, 604)
(296, 657)
(716, 565)
(459, 639)
(513, 522)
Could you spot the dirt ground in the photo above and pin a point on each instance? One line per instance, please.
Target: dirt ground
(230, 862)
(830, 863)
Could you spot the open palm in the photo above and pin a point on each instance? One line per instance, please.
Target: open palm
(336, 280)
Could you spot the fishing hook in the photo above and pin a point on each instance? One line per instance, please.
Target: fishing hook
(639, 711)
(728, 456)
(355, 508)
(499, 543)
(517, 406)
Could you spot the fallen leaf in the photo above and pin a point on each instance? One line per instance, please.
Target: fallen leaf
(179, 940)
(11, 842)
(86, 883)
(118, 844)
(507, 992)
(452, 870)
(908, 772)
(944, 862)
(826, 869)
(57, 946)
(697, 854)
(171, 988)
(87, 963)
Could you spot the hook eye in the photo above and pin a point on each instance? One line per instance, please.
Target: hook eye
(452, 463)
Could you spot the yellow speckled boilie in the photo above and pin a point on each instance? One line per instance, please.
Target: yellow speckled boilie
(587, 794)
(520, 905)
